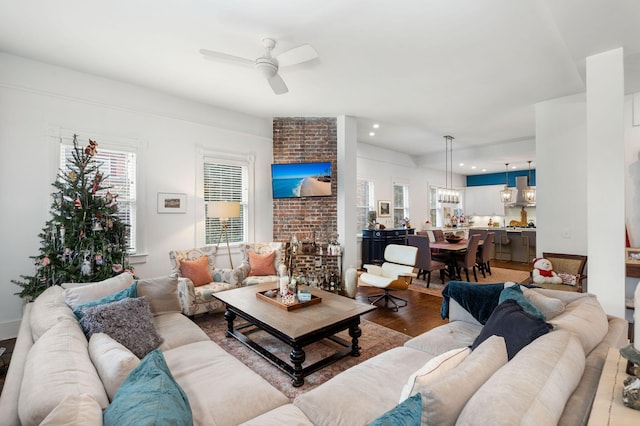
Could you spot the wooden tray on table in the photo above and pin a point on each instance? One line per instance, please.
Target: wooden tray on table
(277, 301)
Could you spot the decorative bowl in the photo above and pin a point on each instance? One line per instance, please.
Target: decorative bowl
(453, 238)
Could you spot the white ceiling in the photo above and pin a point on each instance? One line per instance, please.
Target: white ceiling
(420, 68)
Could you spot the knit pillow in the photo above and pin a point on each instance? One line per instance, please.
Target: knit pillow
(262, 264)
(128, 321)
(196, 270)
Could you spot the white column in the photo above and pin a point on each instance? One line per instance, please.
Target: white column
(347, 134)
(605, 180)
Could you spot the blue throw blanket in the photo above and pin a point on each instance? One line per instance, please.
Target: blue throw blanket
(479, 299)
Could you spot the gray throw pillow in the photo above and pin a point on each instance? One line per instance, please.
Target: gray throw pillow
(127, 321)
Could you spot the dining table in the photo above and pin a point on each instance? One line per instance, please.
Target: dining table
(453, 249)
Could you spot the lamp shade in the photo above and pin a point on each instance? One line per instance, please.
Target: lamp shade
(223, 209)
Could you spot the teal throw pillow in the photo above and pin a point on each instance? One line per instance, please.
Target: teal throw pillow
(130, 291)
(407, 413)
(149, 396)
(515, 293)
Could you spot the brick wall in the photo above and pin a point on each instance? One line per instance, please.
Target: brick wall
(304, 140)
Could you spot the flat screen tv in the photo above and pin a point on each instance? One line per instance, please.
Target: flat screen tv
(301, 180)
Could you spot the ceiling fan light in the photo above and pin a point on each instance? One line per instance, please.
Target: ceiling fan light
(267, 67)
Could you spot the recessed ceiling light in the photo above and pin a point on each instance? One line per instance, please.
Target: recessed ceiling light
(461, 164)
(513, 167)
(473, 167)
(372, 133)
(484, 170)
(375, 126)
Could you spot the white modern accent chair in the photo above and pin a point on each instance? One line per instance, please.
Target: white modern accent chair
(395, 273)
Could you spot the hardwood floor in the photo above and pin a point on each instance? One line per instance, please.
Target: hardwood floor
(422, 313)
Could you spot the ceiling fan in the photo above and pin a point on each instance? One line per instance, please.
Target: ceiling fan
(267, 64)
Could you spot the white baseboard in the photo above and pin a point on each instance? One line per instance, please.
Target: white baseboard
(9, 330)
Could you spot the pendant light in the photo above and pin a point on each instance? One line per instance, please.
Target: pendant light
(506, 194)
(529, 193)
(448, 194)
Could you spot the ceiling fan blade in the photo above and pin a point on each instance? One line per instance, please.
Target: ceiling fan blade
(297, 55)
(219, 56)
(277, 85)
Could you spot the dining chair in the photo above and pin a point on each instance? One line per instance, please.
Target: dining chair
(424, 262)
(481, 232)
(484, 254)
(438, 235)
(469, 259)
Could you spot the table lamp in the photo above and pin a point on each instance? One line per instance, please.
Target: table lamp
(223, 210)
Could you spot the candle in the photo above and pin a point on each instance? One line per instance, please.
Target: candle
(284, 285)
(636, 318)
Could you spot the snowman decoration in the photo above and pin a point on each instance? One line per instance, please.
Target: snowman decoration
(85, 269)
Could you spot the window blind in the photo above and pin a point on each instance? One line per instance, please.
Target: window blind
(226, 181)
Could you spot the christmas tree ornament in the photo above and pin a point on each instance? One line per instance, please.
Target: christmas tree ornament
(73, 176)
(85, 269)
(77, 202)
(98, 259)
(91, 150)
(108, 198)
(117, 268)
(45, 261)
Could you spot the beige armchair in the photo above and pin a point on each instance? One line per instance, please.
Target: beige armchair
(197, 298)
(257, 265)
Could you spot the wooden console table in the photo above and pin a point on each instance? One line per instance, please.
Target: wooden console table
(608, 408)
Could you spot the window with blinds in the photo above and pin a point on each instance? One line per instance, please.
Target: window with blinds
(226, 181)
(119, 173)
(364, 202)
(400, 203)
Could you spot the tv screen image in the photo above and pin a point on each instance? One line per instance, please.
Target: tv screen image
(301, 180)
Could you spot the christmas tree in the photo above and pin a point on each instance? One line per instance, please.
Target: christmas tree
(85, 240)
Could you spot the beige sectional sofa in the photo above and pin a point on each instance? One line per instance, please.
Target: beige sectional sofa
(549, 381)
(52, 361)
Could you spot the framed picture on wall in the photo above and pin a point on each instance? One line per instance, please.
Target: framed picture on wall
(633, 255)
(172, 203)
(384, 208)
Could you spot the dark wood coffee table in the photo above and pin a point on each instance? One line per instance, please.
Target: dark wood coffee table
(297, 328)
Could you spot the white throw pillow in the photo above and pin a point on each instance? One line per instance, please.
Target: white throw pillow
(112, 360)
(549, 306)
(47, 309)
(57, 365)
(86, 293)
(434, 368)
(75, 410)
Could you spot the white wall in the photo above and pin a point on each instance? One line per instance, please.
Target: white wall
(606, 179)
(561, 175)
(561, 164)
(36, 99)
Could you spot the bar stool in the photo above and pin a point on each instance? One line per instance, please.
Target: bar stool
(528, 239)
(503, 245)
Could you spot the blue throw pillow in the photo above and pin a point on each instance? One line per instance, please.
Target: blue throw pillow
(407, 413)
(149, 396)
(515, 292)
(131, 291)
(516, 326)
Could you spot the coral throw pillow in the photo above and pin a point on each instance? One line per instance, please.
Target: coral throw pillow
(261, 264)
(196, 270)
